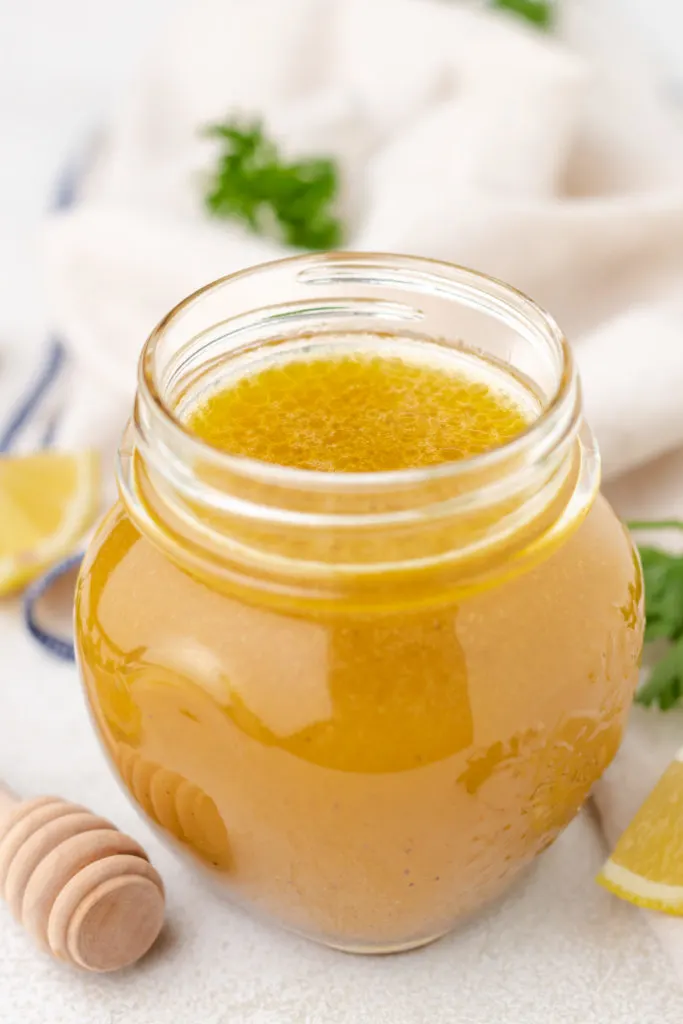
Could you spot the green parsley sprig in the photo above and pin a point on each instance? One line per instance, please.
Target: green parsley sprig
(254, 184)
(295, 200)
(539, 12)
(663, 575)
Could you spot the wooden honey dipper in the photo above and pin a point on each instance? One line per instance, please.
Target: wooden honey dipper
(85, 891)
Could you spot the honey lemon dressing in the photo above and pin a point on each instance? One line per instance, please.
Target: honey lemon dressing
(363, 777)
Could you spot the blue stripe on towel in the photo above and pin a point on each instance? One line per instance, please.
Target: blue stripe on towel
(32, 399)
(28, 407)
(61, 647)
(47, 440)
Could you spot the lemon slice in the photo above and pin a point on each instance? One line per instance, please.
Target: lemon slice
(646, 866)
(47, 502)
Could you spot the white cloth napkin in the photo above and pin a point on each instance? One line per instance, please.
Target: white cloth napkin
(460, 135)
(550, 161)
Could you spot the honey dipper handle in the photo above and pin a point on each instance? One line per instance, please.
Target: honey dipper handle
(8, 803)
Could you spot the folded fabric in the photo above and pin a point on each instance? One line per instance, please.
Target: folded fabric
(460, 135)
(549, 160)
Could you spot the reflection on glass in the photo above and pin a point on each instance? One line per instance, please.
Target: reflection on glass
(177, 805)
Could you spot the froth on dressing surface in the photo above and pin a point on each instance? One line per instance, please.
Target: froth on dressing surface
(362, 413)
(364, 777)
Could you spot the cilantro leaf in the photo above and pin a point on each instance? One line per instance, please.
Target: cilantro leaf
(255, 185)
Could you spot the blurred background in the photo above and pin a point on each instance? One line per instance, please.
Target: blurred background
(63, 66)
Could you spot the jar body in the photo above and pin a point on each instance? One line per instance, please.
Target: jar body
(365, 778)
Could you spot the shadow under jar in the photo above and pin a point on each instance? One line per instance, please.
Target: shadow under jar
(364, 701)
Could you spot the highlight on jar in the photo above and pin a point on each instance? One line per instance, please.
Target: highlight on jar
(361, 632)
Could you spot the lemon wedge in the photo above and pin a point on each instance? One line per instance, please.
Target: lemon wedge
(47, 501)
(646, 866)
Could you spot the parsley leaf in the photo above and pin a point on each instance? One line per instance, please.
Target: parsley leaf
(663, 576)
(254, 184)
(539, 12)
(665, 685)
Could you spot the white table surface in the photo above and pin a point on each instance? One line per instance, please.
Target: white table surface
(62, 64)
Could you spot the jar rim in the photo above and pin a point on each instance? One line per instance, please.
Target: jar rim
(559, 406)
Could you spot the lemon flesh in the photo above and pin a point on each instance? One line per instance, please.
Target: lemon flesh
(47, 502)
(646, 867)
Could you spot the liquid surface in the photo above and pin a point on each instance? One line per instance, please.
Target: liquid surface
(358, 413)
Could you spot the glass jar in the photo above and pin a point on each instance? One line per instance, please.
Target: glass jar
(362, 701)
